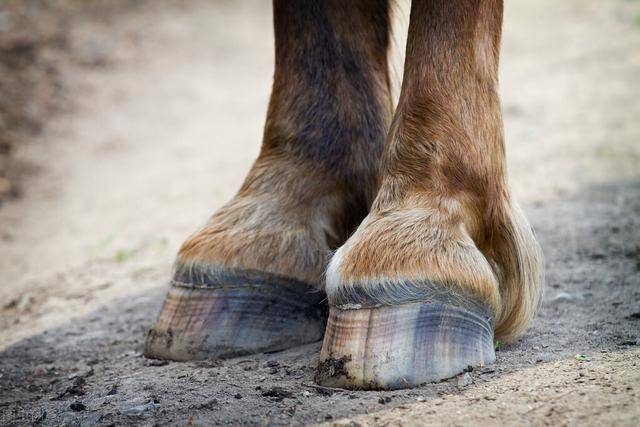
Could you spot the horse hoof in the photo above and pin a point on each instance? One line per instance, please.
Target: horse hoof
(215, 313)
(402, 346)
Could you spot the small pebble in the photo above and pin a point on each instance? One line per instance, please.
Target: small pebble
(562, 297)
(464, 380)
(141, 409)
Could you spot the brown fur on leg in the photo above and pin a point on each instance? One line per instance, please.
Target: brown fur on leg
(248, 280)
(443, 214)
(316, 175)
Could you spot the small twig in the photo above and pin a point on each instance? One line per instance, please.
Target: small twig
(549, 400)
(325, 389)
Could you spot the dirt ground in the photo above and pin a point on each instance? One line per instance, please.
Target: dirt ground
(167, 103)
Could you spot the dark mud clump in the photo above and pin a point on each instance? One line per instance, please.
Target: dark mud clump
(332, 368)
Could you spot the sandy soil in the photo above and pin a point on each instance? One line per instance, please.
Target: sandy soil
(168, 106)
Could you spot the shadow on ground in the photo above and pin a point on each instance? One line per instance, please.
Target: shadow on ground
(91, 371)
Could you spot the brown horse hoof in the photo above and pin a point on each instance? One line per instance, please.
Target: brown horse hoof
(403, 345)
(222, 313)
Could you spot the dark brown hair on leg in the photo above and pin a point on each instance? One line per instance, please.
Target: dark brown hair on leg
(445, 255)
(248, 280)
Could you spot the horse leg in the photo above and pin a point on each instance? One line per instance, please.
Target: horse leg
(445, 257)
(250, 280)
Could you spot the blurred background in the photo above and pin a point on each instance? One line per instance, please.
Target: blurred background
(124, 124)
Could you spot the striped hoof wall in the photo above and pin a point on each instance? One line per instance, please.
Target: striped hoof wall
(211, 313)
(403, 346)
